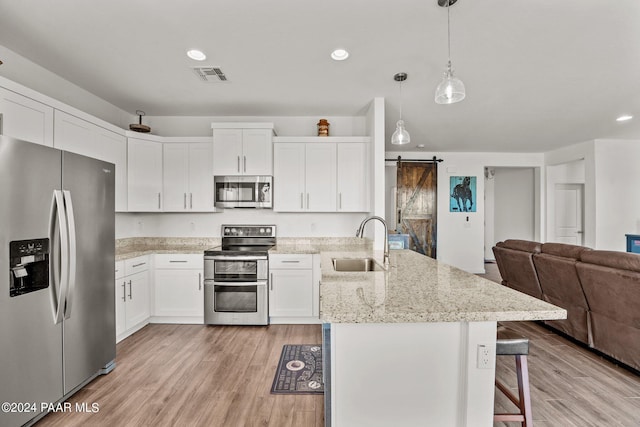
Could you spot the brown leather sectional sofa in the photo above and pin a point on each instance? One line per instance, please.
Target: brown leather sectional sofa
(599, 289)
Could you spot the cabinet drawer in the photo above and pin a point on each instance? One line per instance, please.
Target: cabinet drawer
(136, 265)
(119, 269)
(291, 261)
(180, 261)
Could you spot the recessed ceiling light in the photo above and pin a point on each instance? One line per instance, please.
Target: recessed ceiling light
(624, 118)
(196, 54)
(339, 54)
(420, 145)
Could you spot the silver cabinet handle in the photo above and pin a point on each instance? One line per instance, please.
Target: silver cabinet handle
(307, 200)
(238, 163)
(177, 260)
(130, 290)
(245, 163)
(138, 265)
(339, 200)
(1, 123)
(190, 200)
(159, 206)
(290, 261)
(124, 291)
(271, 282)
(199, 281)
(301, 201)
(185, 200)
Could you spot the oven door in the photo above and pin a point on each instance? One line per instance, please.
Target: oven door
(234, 268)
(236, 303)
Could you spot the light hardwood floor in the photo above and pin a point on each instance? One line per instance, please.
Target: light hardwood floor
(196, 375)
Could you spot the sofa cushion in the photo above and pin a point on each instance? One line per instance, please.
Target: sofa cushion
(515, 262)
(520, 245)
(613, 259)
(563, 250)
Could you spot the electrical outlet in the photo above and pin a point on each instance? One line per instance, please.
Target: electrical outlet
(485, 356)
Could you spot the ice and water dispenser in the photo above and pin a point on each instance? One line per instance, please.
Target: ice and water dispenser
(29, 266)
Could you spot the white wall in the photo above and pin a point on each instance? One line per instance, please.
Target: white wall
(37, 79)
(284, 126)
(208, 224)
(617, 177)
(461, 242)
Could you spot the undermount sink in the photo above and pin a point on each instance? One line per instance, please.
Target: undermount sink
(356, 264)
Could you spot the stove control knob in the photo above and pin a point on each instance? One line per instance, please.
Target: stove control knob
(233, 231)
(262, 231)
(268, 229)
(227, 230)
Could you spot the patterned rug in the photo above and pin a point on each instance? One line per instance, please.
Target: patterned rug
(299, 370)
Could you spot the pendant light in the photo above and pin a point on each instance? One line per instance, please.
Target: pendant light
(451, 89)
(400, 136)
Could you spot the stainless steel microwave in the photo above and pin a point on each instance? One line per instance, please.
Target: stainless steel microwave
(244, 191)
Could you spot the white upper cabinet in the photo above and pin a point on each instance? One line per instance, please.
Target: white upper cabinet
(242, 151)
(353, 177)
(304, 177)
(24, 118)
(144, 173)
(82, 137)
(187, 177)
(320, 177)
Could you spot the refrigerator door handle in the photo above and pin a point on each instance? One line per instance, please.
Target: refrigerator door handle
(60, 281)
(72, 253)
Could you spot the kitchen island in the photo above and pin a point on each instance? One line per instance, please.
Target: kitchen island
(413, 345)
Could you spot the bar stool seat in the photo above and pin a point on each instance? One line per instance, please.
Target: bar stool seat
(510, 343)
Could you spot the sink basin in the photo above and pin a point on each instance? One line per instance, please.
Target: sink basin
(356, 264)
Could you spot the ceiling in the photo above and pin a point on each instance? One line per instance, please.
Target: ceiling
(539, 74)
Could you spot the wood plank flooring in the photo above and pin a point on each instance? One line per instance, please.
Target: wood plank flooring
(196, 375)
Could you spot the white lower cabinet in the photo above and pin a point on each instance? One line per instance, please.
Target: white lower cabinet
(178, 292)
(132, 296)
(293, 289)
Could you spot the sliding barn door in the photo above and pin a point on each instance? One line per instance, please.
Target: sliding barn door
(416, 205)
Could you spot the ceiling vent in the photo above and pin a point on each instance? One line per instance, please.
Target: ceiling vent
(210, 74)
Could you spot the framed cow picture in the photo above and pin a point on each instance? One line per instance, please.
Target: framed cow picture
(463, 194)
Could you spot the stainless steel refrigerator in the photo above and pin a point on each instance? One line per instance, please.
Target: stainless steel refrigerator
(57, 255)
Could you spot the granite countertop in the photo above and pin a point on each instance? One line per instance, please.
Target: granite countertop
(418, 289)
(138, 246)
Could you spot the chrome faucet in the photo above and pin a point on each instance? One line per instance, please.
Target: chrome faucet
(360, 233)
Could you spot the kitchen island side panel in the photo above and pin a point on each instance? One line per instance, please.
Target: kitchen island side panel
(411, 374)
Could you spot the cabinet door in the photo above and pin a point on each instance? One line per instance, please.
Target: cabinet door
(227, 151)
(175, 177)
(288, 177)
(320, 177)
(137, 305)
(178, 293)
(24, 118)
(201, 177)
(82, 137)
(144, 174)
(257, 152)
(352, 178)
(291, 293)
(121, 300)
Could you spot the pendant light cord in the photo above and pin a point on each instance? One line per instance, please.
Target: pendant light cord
(400, 99)
(449, 32)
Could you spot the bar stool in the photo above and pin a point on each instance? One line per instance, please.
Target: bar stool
(510, 343)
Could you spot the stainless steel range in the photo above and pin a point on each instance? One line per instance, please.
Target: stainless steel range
(236, 276)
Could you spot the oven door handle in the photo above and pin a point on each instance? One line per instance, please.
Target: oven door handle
(237, 258)
(258, 283)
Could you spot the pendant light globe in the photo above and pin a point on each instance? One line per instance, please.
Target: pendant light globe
(400, 136)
